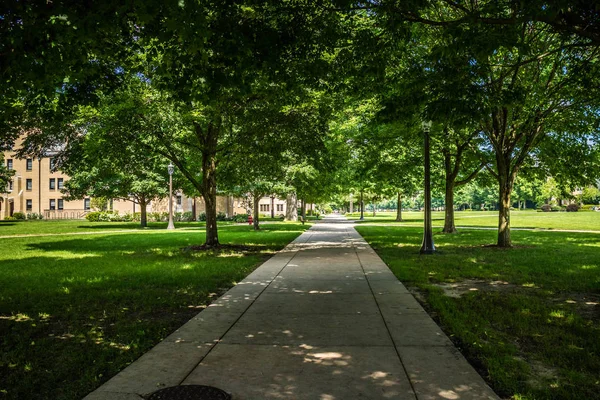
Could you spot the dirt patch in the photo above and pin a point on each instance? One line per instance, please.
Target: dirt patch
(586, 304)
(458, 289)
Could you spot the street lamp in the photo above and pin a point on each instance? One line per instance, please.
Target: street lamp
(171, 169)
(362, 206)
(427, 247)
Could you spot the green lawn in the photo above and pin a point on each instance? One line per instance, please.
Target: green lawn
(528, 317)
(75, 309)
(582, 220)
(45, 227)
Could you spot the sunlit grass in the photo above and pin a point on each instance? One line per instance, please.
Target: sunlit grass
(536, 336)
(75, 309)
(531, 219)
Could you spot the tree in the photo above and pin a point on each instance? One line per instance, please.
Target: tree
(461, 152)
(228, 57)
(100, 165)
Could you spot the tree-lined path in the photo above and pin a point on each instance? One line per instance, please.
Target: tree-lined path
(323, 319)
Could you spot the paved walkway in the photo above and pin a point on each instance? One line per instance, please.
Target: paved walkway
(323, 319)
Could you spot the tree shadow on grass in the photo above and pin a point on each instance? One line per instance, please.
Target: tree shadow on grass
(68, 324)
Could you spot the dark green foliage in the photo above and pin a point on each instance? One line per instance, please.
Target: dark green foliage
(573, 207)
(18, 216)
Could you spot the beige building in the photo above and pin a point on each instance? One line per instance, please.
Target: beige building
(35, 188)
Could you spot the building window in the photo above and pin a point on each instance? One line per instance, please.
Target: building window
(52, 183)
(60, 183)
(279, 207)
(28, 184)
(178, 200)
(29, 164)
(264, 207)
(52, 204)
(61, 204)
(28, 205)
(52, 164)
(86, 204)
(9, 164)
(10, 185)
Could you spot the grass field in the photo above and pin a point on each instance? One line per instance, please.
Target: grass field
(528, 317)
(75, 309)
(582, 220)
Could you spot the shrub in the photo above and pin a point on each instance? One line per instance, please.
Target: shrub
(127, 217)
(18, 216)
(588, 207)
(240, 218)
(573, 207)
(35, 216)
(93, 216)
(221, 216)
(558, 208)
(187, 216)
(202, 217)
(546, 208)
(154, 216)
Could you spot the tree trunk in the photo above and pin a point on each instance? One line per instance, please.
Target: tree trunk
(273, 207)
(209, 184)
(291, 203)
(303, 209)
(399, 209)
(449, 226)
(505, 183)
(374, 210)
(143, 214)
(256, 213)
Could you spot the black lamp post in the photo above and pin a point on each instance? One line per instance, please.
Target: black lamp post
(427, 247)
(362, 206)
(171, 169)
(40, 186)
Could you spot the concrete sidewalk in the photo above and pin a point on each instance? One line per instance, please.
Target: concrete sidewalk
(323, 319)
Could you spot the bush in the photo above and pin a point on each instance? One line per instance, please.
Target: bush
(558, 208)
(154, 216)
(127, 217)
(187, 216)
(108, 216)
(240, 218)
(588, 207)
(35, 216)
(202, 217)
(546, 208)
(221, 216)
(18, 216)
(573, 207)
(93, 216)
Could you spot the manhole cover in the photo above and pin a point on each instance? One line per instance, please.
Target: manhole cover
(190, 392)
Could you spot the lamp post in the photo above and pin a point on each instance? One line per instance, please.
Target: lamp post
(362, 206)
(427, 247)
(171, 169)
(39, 185)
